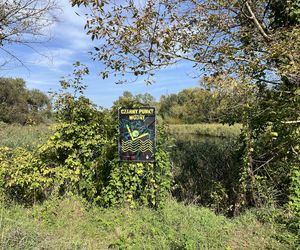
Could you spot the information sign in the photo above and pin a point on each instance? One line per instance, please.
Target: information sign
(137, 134)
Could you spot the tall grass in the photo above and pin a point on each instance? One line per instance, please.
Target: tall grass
(23, 136)
(206, 172)
(206, 129)
(71, 224)
(206, 164)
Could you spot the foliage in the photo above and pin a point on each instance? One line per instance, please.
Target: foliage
(140, 183)
(80, 151)
(81, 158)
(271, 144)
(70, 223)
(20, 105)
(252, 43)
(248, 38)
(197, 105)
(23, 22)
(20, 178)
(294, 198)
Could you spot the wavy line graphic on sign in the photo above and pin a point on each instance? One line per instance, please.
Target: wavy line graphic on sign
(137, 145)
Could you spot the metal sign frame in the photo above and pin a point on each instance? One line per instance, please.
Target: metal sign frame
(136, 132)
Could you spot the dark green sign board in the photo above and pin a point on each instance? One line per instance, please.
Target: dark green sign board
(137, 134)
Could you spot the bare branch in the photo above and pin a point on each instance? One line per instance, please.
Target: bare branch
(24, 22)
(257, 23)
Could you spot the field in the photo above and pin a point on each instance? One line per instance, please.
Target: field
(71, 223)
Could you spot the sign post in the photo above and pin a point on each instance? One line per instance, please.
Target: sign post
(137, 139)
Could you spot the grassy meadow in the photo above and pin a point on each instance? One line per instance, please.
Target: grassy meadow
(205, 129)
(69, 223)
(28, 137)
(72, 223)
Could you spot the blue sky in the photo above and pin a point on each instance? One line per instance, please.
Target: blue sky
(69, 43)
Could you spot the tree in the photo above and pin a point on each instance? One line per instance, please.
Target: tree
(127, 99)
(198, 105)
(255, 38)
(23, 22)
(20, 105)
(254, 42)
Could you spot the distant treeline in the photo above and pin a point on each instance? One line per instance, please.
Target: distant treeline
(21, 105)
(189, 106)
(197, 105)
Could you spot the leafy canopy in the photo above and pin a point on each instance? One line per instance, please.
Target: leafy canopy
(255, 38)
(20, 105)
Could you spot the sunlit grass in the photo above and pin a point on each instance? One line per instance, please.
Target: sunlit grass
(72, 224)
(23, 136)
(206, 129)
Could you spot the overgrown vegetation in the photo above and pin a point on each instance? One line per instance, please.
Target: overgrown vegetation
(81, 158)
(250, 53)
(71, 223)
(249, 49)
(27, 137)
(206, 172)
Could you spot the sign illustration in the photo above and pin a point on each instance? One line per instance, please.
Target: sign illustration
(137, 134)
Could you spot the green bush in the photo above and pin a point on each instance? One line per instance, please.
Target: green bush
(140, 183)
(20, 177)
(81, 158)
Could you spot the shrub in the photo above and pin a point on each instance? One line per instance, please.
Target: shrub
(81, 158)
(140, 183)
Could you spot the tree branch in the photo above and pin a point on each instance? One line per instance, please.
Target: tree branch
(257, 23)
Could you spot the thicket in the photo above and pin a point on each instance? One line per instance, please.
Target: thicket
(20, 105)
(247, 48)
(259, 168)
(206, 172)
(81, 158)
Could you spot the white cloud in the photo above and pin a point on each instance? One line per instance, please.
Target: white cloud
(70, 28)
(52, 58)
(69, 42)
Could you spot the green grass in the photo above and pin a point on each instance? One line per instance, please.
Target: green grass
(206, 129)
(23, 136)
(71, 224)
